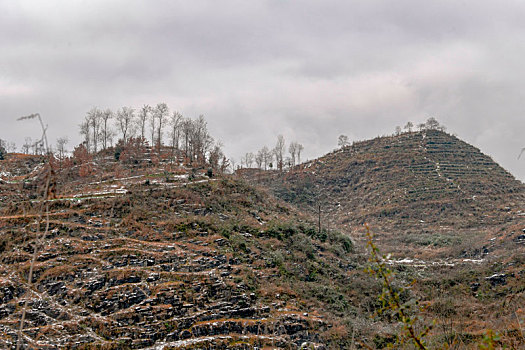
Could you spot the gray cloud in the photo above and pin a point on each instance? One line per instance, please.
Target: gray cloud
(310, 70)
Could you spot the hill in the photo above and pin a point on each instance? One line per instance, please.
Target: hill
(147, 252)
(165, 256)
(424, 189)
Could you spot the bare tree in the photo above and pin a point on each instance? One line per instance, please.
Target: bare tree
(152, 126)
(143, 116)
(248, 159)
(187, 129)
(432, 123)
(61, 147)
(84, 131)
(27, 145)
(409, 126)
(398, 130)
(279, 151)
(107, 133)
(259, 159)
(176, 123)
(217, 159)
(94, 119)
(196, 140)
(36, 147)
(267, 156)
(125, 117)
(421, 126)
(202, 141)
(299, 150)
(10, 147)
(292, 149)
(342, 141)
(161, 112)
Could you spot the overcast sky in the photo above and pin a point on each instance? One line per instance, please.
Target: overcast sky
(310, 70)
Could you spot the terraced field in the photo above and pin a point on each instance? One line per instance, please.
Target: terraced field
(158, 255)
(167, 263)
(413, 183)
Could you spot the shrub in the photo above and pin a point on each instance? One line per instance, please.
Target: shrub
(281, 230)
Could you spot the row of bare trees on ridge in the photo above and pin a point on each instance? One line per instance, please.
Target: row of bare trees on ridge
(266, 158)
(156, 126)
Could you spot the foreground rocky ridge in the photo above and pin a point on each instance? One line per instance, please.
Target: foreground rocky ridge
(165, 262)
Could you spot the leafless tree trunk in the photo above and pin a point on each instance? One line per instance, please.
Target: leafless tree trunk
(61, 147)
(248, 159)
(143, 116)
(94, 118)
(161, 112)
(27, 145)
(267, 156)
(10, 147)
(202, 139)
(216, 156)
(152, 128)
(84, 131)
(106, 131)
(292, 149)
(125, 117)
(259, 159)
(299, 150)
(187, 129)
(279, 151)
(176, 122)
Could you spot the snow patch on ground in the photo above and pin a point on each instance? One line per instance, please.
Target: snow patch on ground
(192, 341)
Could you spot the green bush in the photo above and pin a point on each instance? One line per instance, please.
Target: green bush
(281, 231)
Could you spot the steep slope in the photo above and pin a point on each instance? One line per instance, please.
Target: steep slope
(414, 185)
(446, 217)
(160, 260)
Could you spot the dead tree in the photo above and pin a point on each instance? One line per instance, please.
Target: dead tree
(279, 151)
(125, 117)
(94, 118)
(161, 112)
(106, 133)
(176, 123)
(145, 112)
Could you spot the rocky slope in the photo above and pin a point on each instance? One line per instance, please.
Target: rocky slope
(156, 259)
(151, 254)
